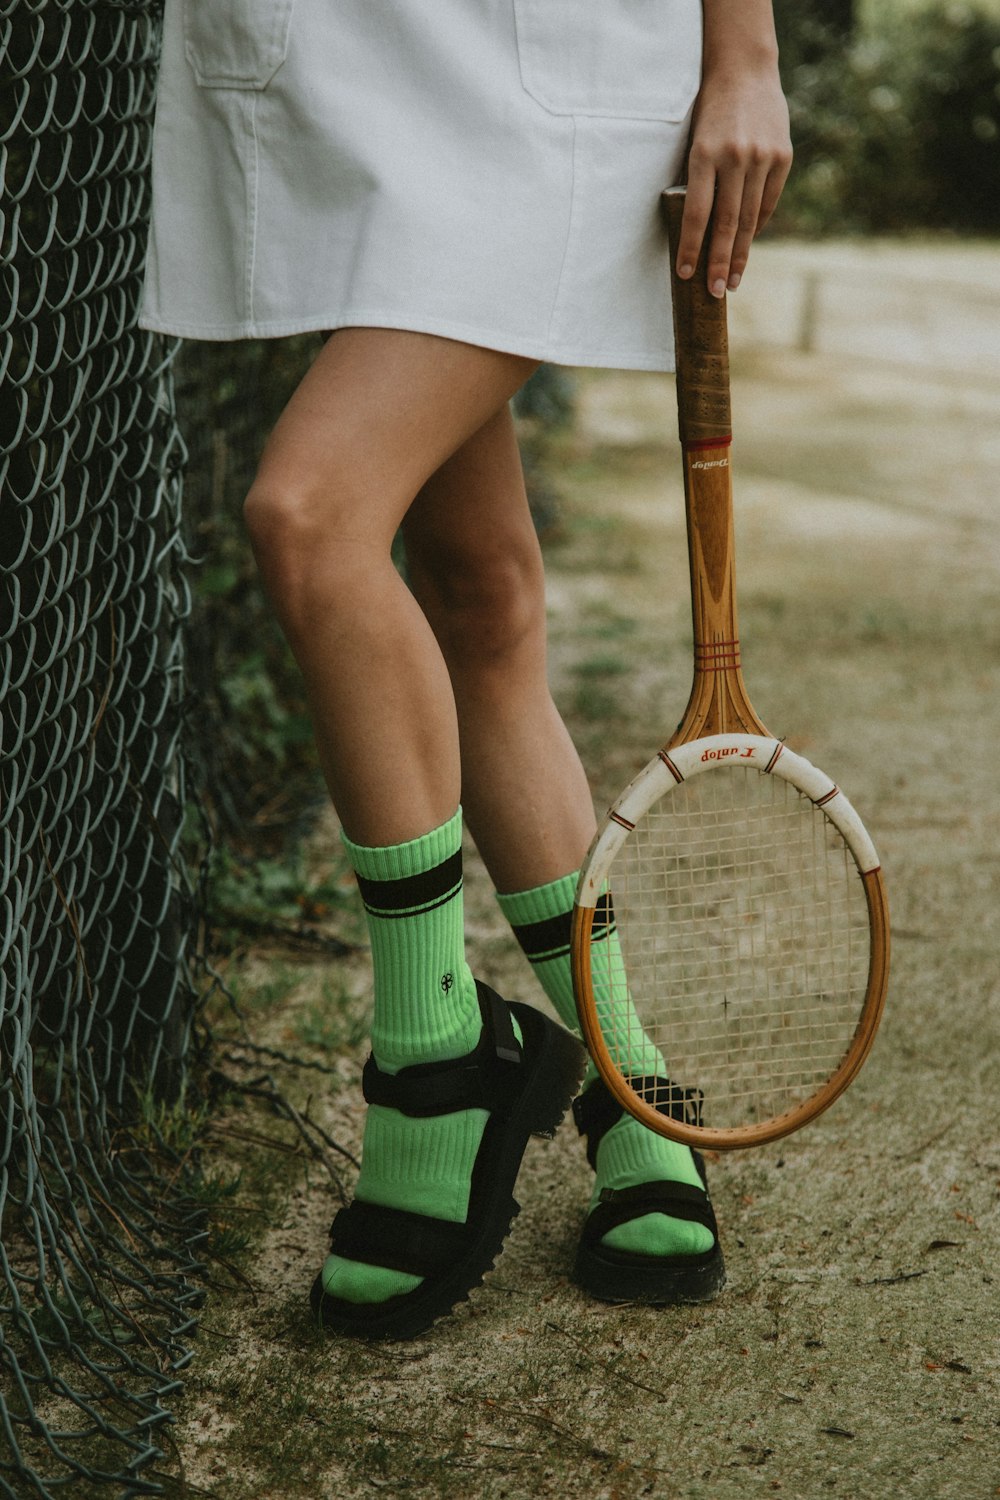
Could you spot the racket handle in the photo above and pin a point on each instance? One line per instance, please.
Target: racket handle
(701, 340)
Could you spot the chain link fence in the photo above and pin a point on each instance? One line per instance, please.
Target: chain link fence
(99, 1227)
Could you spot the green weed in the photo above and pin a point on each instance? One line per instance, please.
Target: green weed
(331, 1023)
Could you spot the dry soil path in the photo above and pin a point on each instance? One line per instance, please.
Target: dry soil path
(854, 1352)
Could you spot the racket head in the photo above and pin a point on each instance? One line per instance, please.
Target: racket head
(752, 933)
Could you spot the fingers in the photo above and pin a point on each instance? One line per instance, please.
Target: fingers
(739, 159)
(735, 222)
(698, 202)
(739, 198)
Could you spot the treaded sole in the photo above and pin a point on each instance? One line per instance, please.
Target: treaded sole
(611, 1278)
(556, 1061)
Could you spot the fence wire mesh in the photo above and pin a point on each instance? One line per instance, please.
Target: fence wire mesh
(98, 1242)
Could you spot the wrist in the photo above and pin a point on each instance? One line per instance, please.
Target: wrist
(739, 38)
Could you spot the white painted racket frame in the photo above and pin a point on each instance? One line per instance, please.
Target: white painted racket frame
(668, 770)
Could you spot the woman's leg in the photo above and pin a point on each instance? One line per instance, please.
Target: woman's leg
(377, 414)
(476, 568)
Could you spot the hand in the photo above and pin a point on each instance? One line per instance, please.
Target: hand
(739, 158)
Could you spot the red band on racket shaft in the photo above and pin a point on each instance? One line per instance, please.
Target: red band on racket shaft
(700, 444)
(716, 656)
(718, 664)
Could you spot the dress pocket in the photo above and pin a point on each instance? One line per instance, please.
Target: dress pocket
(236, 44)
(639, 59)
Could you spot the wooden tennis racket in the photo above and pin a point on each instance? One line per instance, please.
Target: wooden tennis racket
(752, 929)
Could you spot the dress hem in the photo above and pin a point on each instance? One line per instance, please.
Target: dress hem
(484, 338)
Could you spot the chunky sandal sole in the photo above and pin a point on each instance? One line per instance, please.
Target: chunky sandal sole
(553, 1064)
(626, 1276)
(612, 1277)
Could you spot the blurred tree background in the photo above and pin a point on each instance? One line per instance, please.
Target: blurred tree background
(895, 108)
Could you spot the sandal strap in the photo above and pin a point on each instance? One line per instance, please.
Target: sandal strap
(596, 1109)
(678, 1200)
(482, 1079)
(397, 1239)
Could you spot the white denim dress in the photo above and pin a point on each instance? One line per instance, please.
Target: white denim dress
(487, 170)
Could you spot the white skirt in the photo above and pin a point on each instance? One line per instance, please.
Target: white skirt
(486, 170)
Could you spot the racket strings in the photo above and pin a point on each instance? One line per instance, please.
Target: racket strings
(744, 944)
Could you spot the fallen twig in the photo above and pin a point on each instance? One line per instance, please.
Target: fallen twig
(606, 1364)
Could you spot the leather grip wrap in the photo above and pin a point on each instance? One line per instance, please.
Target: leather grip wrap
(700, 339)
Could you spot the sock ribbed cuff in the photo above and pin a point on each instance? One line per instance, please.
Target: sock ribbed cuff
(398, 861)
(542, 918)
(426, 1008)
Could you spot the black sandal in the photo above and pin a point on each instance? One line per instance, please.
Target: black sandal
(527, 1090)
(625, 1276)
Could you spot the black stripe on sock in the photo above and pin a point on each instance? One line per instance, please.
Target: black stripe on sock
(546, 939)
(550, 938)
(413, 893)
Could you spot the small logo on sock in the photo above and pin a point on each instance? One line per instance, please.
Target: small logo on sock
(447, 980)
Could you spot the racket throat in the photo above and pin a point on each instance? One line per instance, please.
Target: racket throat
(718, 703)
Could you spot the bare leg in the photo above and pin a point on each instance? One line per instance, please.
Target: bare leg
(379, 411)
(476, 568)
(418, 700)
(376, 416)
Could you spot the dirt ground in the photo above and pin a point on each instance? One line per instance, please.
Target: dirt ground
(855, 1349)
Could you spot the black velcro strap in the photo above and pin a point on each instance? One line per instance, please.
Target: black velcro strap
(397, 1240)
(671, 1099)
(479, 1080)
(420, 1094)
(499, 1036)
(677, 1200)
(596, 1110)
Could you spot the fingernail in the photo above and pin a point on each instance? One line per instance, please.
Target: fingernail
(686, 270)
(718, 287)
(734, 281)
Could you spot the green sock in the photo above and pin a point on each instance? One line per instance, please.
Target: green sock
(426, 1010)
(629, 1154)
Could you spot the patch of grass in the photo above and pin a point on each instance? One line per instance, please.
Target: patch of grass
(270, 994)
(594, 699)
(598, 541)
(770, 607)
(602, 666)
(271, 890)
(331, 1023)
(174, 1126)
(605, 625)
(883, 622)
(594, 703)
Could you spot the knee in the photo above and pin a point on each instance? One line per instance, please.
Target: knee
(301, 541)
(487, 609)
(283, 524)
